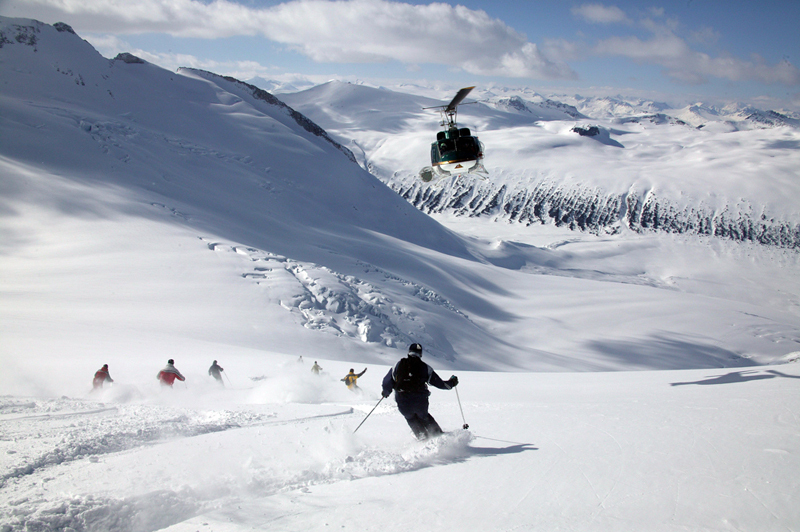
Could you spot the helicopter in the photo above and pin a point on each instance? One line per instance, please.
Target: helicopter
(456, 151)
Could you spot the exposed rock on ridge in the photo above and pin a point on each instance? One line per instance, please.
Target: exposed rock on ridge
(593, 210)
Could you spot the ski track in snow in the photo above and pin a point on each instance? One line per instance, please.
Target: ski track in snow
(69, 432)
(75, 429)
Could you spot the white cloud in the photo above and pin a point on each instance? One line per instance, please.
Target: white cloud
(667, 49)
(705, 35)
(348, 31)
(600, 14)
(686, 65)
(662, 49)
(111, 45)
(564, 50)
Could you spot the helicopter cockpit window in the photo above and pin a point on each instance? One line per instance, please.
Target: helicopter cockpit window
(468, 146)
(446, 146)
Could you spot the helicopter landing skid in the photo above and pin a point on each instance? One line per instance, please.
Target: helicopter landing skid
(429, 176)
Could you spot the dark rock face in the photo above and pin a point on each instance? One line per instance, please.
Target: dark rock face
(22, 34)
(592, 210)
(586, 131)
(63, 27)
(125, 57)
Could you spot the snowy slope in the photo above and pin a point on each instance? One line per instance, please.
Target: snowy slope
(148, 214)
(196, 155)
(285, 244)
(709, 450)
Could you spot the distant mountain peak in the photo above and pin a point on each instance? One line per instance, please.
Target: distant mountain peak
(64, 27)
(302, 120)
(536, 106)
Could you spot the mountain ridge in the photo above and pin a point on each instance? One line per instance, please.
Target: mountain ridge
(667, 173)
(181, 207)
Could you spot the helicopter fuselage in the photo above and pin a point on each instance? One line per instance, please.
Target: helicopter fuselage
(456, 151)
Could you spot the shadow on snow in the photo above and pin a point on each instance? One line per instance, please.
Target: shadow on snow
(737, 377)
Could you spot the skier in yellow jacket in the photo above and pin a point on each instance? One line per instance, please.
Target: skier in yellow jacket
(351, 379)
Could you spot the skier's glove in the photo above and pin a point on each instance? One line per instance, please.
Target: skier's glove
(452, 381)
(385, 394)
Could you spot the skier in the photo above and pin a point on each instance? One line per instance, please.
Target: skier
(214, 371)
(100, 376)
(168, 375)
(351, 378)
(316, 368)
(410, 378)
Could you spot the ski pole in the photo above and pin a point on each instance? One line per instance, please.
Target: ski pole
(370, 413)
(465, 426)
(229, 379)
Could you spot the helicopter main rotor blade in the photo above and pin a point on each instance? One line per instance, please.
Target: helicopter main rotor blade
(459, 97)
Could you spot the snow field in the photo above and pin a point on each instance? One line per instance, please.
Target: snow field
(700, 449)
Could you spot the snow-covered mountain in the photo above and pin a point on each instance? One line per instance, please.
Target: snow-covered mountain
(540, 108)
(643, 167)
(735, 115)
(148, 215)
(607, 107)
(230, 165)
(277, 87)
(333, 253)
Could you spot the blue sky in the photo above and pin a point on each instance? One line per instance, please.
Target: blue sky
(679, 51)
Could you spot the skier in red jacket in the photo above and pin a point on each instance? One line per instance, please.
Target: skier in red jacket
(100, 376)
(168, 375)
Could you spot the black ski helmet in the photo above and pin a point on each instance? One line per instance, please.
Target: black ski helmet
(415, 350)
(170, 361)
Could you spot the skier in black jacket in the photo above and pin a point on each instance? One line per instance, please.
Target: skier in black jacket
(410, 378)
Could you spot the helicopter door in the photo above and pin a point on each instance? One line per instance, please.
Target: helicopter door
(435, 154)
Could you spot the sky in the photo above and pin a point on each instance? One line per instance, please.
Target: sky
(714, 51)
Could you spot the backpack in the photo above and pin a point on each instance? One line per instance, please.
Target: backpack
(411, 375)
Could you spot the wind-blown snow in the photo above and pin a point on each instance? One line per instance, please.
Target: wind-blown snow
(148, 215)
(668, 450)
